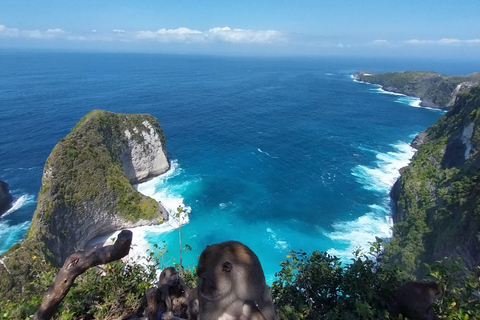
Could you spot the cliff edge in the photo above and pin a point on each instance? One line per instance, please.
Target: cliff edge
(87, 190)
(437, 198)
(87, 181)
(435, 90)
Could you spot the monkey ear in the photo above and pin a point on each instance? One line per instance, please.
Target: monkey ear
(227, 266)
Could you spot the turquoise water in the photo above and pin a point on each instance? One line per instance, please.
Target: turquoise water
(281, 154)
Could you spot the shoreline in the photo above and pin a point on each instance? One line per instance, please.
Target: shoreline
(386, 90)
(170, 203)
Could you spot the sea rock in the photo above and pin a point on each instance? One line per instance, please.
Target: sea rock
(419, 140)
(87, 181)
(5, 197)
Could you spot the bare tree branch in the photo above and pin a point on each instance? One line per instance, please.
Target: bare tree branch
(76, 264)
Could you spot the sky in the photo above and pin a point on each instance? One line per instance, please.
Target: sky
(400, 28)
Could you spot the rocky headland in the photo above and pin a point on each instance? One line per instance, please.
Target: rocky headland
(5, 197)
(435, 90)
(437, 198)
(87, 189)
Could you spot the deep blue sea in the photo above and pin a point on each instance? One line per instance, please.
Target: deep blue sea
(279, 153)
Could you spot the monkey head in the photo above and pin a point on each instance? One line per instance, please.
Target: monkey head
(415, 299)
(169, 277)
(226, 267)
(230, 282)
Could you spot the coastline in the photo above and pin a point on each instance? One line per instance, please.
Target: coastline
(169, 202)
(387, 91)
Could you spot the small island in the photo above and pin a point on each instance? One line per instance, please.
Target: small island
(87, 190)
(435, 90)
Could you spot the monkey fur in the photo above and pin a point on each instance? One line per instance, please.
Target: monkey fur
(172, 292)
(415, 299)
(193, 305)
(231, 284)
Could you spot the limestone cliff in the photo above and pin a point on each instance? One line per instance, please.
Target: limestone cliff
(86, 185)
(437, 198)
(145, 157)
(5, 197)
(435, 90)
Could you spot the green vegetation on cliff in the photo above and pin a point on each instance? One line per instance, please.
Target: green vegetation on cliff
(437, 198)
(85, 193)
(434, 89)
(437, 213)
(316, 286)
(84, 185)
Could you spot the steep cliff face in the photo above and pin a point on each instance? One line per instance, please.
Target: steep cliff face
(145, 157)
(86, 185)
(5, 197)
(434, 89)
(437, 198)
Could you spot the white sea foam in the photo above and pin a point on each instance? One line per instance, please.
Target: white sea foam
(377, 222)
(404, 99)
(24, 200)
(385, 172)
(411, 101)
(280, 244)
(362, 231)
(224, 205)
(379, 89)
(11, 233)
(415, 103)
(260, 150)
(161, 189)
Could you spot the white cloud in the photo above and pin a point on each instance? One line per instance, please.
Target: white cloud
(379, 42)
(218, 35)
(34, 34)
(179, 35)
(227, 34)
(171, 35)
(56, 31)
(443, 41)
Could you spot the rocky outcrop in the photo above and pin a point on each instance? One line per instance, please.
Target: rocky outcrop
(145, 158)
(5, 197)
(435, 90)
(86, 185)
(437, 198)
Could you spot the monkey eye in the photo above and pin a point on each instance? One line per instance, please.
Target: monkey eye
(227, 266)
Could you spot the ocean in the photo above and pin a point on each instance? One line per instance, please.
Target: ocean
(279, 153)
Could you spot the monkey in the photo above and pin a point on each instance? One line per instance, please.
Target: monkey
(172, 291)
(193, 305)
(250, 311)
(231, 284)
(415, 299)
(192, 308)
(168, 278)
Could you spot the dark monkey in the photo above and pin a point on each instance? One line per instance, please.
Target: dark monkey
(415, 299)
(171, 287)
